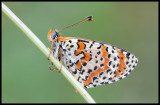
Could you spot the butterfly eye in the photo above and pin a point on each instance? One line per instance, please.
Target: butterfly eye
(54, 35)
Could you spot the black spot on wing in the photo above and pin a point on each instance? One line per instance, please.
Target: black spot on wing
(99, 47)
(94, 78)
(127, 55)
(70, 41)
(89, 71)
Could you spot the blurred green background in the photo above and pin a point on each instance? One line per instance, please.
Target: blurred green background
(132, 26)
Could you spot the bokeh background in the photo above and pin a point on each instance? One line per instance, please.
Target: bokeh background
(132, 26)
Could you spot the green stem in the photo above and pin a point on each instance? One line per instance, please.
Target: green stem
(44, 49)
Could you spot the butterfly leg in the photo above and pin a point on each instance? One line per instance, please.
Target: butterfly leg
(49, 56)
(51, 68)
(51, 62)
(50, 49)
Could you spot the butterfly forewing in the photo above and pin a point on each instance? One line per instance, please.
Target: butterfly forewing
(93, 63)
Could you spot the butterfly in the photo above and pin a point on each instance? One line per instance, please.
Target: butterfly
(91, 63)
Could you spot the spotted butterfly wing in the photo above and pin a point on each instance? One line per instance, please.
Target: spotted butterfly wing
(94, 63)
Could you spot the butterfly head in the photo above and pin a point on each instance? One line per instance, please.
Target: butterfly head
(52, 34)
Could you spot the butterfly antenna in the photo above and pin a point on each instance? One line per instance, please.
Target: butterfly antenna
(89, 18)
